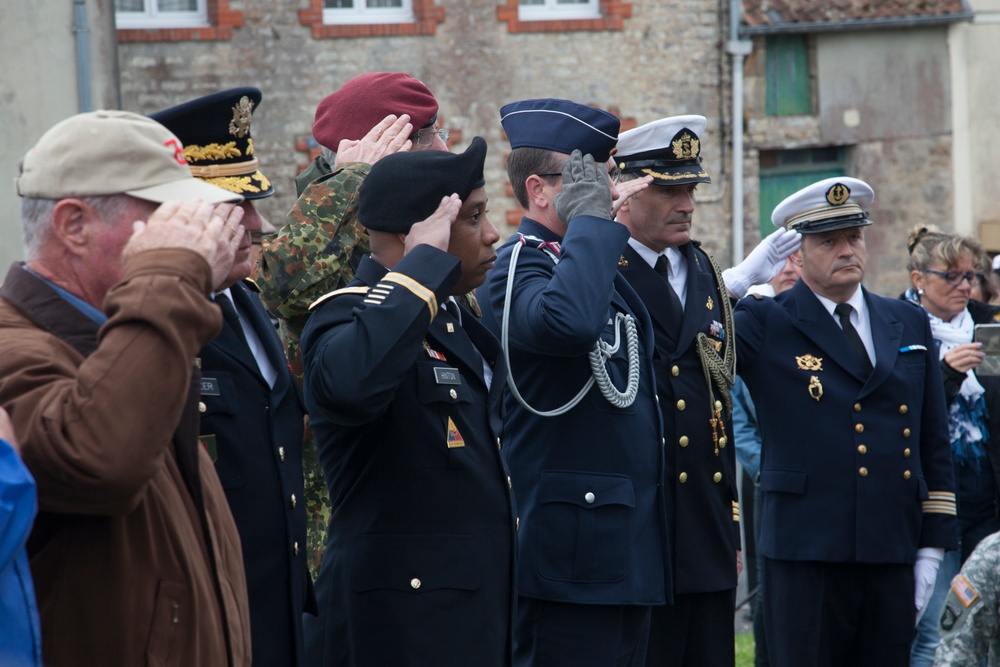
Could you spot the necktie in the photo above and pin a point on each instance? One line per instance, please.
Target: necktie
(232, 317)
(843, 311)
(662, 267)
(453, 310)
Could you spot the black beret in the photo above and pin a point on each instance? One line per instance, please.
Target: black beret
(404, 188)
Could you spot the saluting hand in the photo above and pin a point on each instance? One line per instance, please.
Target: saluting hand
(191, 225)
(230, 238)
(626, 189)
(586, 188)
(763, 263)
(435, 230)
(391, 135)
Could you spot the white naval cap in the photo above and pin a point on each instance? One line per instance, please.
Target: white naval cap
(830, 204)
(668, 149)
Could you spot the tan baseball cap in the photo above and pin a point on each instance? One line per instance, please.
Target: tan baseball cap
(112, 152)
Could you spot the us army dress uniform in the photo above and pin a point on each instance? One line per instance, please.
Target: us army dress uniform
(419, 563)
(588, 482)
(699, 458)
(855, 467)
(254, 433)
(253, 429)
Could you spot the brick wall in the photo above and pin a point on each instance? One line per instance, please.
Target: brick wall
(644, 59)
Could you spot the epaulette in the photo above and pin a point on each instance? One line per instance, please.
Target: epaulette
(338, 292)
(251, 285)
(757, 296)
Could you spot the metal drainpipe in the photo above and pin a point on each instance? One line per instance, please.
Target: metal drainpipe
(739, 49)
(82, 54)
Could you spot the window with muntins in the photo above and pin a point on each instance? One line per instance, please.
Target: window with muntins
(346, 12)
(139, 14)
(551, 10)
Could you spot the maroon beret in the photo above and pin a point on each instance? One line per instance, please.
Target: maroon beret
(365, 100)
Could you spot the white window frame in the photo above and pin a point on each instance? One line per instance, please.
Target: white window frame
(552, 11)
(361, 13)
(153, 18)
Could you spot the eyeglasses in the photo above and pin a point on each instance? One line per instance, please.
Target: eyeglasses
(955, 278)
(614, 175)
(425, 138)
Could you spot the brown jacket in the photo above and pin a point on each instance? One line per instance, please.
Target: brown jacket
(134, 553)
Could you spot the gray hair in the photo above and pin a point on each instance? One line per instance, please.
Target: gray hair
(36, 217)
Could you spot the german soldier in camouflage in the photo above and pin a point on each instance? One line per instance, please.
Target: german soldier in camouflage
(318, 248)
(970, 618)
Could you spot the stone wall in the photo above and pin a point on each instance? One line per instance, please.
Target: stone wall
(657, 58)
(666, 60)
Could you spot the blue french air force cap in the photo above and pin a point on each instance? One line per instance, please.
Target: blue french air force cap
(560, 126)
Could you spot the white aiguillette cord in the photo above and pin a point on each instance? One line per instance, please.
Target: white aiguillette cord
(598, 356)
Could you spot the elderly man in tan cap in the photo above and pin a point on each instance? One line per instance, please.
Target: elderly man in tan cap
(134, 553)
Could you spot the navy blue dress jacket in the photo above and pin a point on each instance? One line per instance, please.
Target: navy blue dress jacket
(419, 562)
(589, 483)
(702, 502)
(255, 432)
(854, 468)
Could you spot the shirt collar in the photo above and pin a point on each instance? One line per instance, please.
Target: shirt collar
(92, 313)
(857, 302)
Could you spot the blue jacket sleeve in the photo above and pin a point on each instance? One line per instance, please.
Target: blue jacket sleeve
(746, 431)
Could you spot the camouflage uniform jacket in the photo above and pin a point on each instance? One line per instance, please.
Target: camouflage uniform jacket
(314, 252)
(316, 169)
(970, 617)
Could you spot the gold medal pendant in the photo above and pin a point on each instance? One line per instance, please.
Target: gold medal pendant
(815, 388)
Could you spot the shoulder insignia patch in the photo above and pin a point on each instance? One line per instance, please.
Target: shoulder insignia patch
(963, 590)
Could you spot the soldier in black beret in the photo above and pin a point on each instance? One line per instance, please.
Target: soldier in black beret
(403, 388)
(252, 418)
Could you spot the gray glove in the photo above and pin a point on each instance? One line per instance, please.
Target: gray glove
(586, 189)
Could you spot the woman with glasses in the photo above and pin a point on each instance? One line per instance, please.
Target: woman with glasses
(944, 270)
